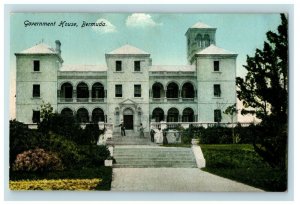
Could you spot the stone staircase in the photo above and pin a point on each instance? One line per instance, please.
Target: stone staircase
(153, 156)
(131, 138)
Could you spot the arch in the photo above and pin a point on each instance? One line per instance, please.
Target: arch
(158, 90)
(188, 115)
(82, 92)
(198, 40)
(97, 92)
(172, 90)
(158, 114)
(67, 112)
(128, 118)
(188, 90)
(66, 92)
(206, 40)
(98, 115)
(128, 111)
(173, 115)
(82, 115)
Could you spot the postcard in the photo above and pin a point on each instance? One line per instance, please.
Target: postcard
(149, 102)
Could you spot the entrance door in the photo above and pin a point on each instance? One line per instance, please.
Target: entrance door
(128, 122)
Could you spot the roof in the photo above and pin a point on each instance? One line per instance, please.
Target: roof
(128, 49)
(80, 68)
(41, 48)
(214, 50)
(172, 68)
(200, 25)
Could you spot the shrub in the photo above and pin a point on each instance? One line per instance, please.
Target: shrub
(89, 135)
(61, 125)
(62, 184)
(37, 160)
(68, 150)
(21, 138)
(94, 155)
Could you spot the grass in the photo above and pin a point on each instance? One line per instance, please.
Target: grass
(241, 163)
(102, 173)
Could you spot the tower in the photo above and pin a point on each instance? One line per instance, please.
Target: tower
(199, 37)
(36, 69)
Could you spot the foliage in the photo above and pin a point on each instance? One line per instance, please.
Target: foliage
(241, 163)
(68, 150)
(93, 155)
(264, 92)
(62, 184)
(104, 173)
(37, 160)
(61, 125)
(46, 111)
(21, 138)
(90, 134)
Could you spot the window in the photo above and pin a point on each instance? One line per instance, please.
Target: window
(118, 91)
(36, 65)
(36, 91)
(118, 65)
(217, 90)
(36, 116)
(137, 65)
(217, 116)
(216, 66)
(137, 91)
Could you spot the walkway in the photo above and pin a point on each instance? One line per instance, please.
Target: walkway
(173, 180)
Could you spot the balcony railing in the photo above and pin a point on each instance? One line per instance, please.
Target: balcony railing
(173, 125)
(97, 99)
(158, 99)
(188, 99)
(172, 99)
(82, 100)
(66, 99)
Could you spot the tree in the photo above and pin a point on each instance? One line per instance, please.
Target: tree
(232, 111)
(264, 92)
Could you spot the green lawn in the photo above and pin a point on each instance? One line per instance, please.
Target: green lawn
(102, 173)
(241, 163)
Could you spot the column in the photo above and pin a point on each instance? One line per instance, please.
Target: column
(74, 95)
(165, 100)
(90, 96)
(179, 95)
(90, 118)
(150, 94)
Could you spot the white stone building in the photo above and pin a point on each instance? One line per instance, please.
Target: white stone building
(129, 88)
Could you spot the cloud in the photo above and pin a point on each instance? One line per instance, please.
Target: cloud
(104, 26)
(141, 20)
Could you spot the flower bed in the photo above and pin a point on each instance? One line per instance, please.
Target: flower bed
(61, 184)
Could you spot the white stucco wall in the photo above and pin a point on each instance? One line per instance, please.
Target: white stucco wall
(207, 77)
(128, 78)
(26, 77)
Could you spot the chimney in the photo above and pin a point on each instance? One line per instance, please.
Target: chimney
(57, 48)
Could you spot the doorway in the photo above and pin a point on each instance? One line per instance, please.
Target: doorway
(128, 119)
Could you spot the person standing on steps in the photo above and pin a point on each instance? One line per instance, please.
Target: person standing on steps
(152, 133)
(141, 131)
(122, 129)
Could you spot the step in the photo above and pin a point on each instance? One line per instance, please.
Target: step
(154, 157)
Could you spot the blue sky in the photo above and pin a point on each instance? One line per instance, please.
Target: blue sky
(162, 35)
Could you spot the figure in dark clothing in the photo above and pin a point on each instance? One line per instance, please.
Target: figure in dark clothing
(141, 131)
(152, 133)
(165, 139)
(122, 129)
